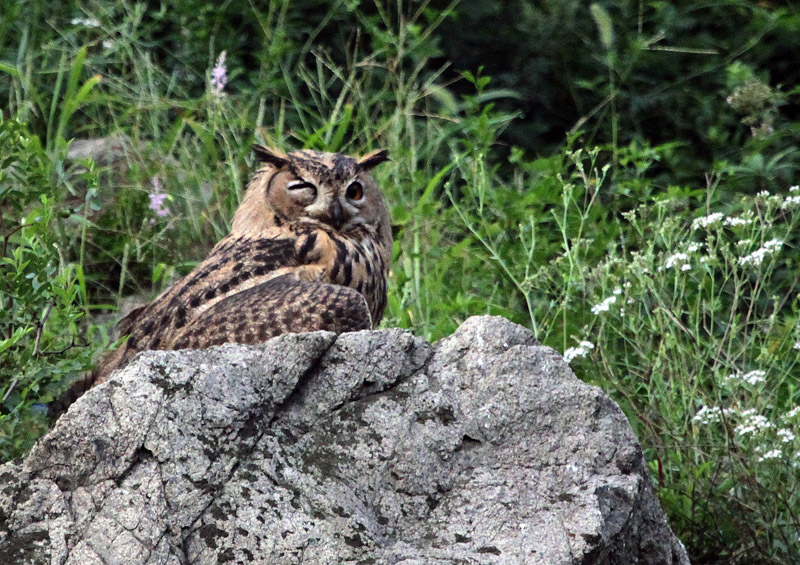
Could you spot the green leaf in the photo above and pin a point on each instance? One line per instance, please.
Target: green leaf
(9, 69)
(335, 144)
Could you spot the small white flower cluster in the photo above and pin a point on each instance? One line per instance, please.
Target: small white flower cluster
(708, 415)
(706, 221)
(679, 259)
(604, 305)
(734, 222)
(796, 345)
(772, 454)
(751, 378)
(792, 413)
(85, 22)
(786, 435)
(791, 201)
(582, 350)
(694, 247)
(757, 256)
(763, 194)
(752, 423)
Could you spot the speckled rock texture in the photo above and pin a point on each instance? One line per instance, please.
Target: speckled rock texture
(370, 447)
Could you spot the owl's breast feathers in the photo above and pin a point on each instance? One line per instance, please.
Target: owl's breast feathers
(209, 300)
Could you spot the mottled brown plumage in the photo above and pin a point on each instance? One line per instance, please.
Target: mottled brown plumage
(309, 250)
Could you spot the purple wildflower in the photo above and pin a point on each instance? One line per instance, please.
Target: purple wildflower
(219, 76)
(157, 199)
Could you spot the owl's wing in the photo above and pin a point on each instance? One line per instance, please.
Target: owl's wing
(125, 324)
(281, 305)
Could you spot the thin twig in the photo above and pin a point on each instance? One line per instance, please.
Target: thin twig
(13, 384)
(40, 327)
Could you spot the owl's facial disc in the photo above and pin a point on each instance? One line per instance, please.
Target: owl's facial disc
(329, 211)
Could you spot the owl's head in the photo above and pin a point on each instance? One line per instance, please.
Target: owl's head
(335, 190)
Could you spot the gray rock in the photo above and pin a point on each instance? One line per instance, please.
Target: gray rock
(102, 150)
(370, 447)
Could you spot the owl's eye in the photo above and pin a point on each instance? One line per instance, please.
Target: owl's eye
(300, 184)
(355, 191)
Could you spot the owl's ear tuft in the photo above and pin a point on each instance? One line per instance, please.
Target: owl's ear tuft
(272, 156)
(373, 159)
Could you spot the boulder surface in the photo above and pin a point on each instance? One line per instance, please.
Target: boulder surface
(369, 447)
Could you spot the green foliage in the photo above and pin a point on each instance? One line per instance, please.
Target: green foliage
(672, 113)
(695, 333)
(41, 294)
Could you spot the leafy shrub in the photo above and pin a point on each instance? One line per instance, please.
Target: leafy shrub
(42, 296)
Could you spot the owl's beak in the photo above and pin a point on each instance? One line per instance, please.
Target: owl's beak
(336, 214)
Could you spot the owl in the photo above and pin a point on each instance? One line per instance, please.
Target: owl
(309, 249)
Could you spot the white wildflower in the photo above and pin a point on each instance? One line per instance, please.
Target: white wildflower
(792, 413)
(752, 423)
(763, 194)
(693, 247)
(582, 350)
(733, 222)
(787, 436)
(744, 242)
(751, 378)
(754, 377)
(757, 256)
(794, 188)
(708, 415)
(679, 259)
(772, 454)
(85, 22)
(791, 202)
(604, 305)
(796, 345)
(706, 221)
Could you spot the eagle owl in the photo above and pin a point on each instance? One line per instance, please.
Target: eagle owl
(309, 249)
